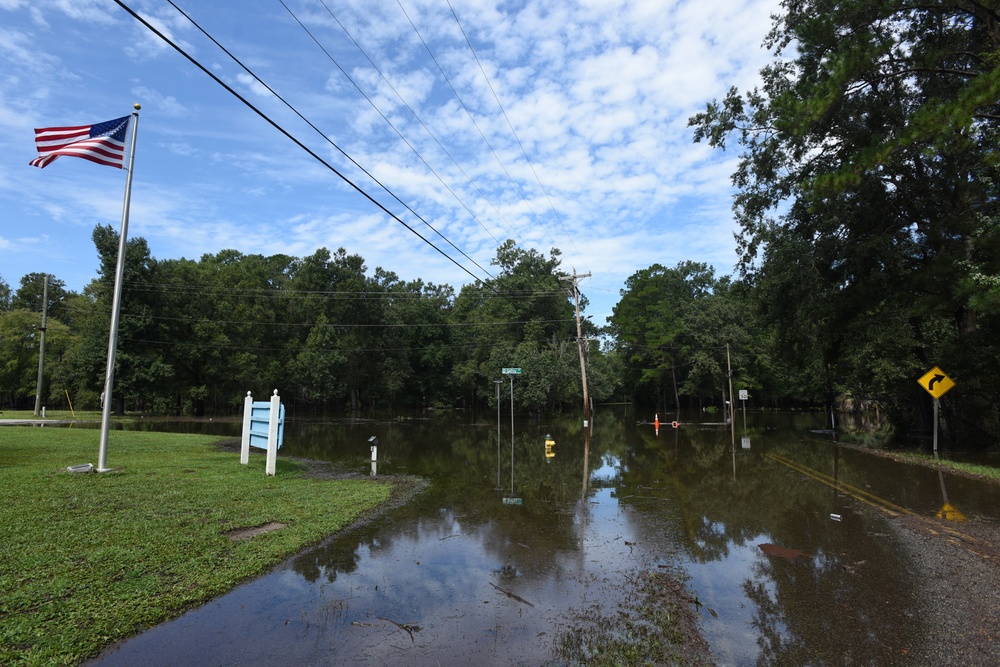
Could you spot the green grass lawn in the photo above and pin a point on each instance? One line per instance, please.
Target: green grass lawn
(55, 414)
(91, 558)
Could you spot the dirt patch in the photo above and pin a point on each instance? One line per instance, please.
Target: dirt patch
(655, 623)
(244, 533)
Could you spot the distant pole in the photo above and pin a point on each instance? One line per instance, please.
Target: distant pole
(109, 375)
(41, 345)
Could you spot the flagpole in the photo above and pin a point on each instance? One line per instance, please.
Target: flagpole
(109, 376)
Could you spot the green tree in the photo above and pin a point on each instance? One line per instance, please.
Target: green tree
(5, 295)
(520, 316)
(29, 296)
(139, 366)
(19, 347)
(866, 189)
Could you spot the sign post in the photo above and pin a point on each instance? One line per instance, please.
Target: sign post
(744, 395)
(937, 384)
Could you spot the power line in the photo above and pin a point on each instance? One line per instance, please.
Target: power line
(337, 294)
(335, 325)
(288, 135)
(474, 123)
(514, 132)
(453, 346)
(323, 134)
(398, 133)
(424, 125)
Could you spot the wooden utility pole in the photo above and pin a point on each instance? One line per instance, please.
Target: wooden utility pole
(575, 279)
(732, 401)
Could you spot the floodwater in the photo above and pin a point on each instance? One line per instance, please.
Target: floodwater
(779, 530)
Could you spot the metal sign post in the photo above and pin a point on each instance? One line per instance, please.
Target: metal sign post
(937, 384)
(744, 395)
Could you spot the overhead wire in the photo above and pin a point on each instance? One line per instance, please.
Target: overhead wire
(289, 136)
(458, 97)
(323, 134)
(381, 325)
(287, 293)
(423, 125)
(455, 346)
(391, 125)
(514, 133)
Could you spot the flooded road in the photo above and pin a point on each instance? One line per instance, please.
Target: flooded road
(786, 540)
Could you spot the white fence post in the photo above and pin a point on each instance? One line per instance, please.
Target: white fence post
(272, 434)
(245, 442)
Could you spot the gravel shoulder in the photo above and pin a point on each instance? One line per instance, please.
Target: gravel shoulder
(958, 569)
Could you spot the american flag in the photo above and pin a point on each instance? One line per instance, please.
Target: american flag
(103, 143)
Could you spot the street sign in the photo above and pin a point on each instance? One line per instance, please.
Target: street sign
(512, 371)
(936, 382)
(513, 501)
(744, 394)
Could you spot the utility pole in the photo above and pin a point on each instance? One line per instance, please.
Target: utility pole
(732, 401)
(575, 279)
(41, 345)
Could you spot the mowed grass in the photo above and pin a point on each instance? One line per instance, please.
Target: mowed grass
(88, 559)
(58, 414)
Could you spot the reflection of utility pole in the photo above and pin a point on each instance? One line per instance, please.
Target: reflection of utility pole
(512, 435)
(41, 345)
(498, 383)
(732, 402)
(575, 279)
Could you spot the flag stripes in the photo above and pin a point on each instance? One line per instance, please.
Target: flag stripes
(103, 143)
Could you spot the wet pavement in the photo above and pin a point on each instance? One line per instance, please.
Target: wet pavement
(786, 538)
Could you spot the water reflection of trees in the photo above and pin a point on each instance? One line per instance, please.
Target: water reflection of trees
(851, 596)
(462, 462)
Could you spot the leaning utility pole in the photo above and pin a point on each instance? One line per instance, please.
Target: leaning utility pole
(41, 345)
(575, 279)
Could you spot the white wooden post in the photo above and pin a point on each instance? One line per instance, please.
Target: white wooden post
(272, 434)
(245, 441)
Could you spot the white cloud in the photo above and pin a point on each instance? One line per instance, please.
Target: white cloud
(598, 94)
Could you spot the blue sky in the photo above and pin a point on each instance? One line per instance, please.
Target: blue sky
(599, 163)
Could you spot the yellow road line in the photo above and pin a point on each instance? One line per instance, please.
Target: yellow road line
(887, 506)
(853, 491)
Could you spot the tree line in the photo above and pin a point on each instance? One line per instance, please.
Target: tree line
(196, 335)
(867, 200)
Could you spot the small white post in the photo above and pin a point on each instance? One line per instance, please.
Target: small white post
(245, 441)
(272, 434)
